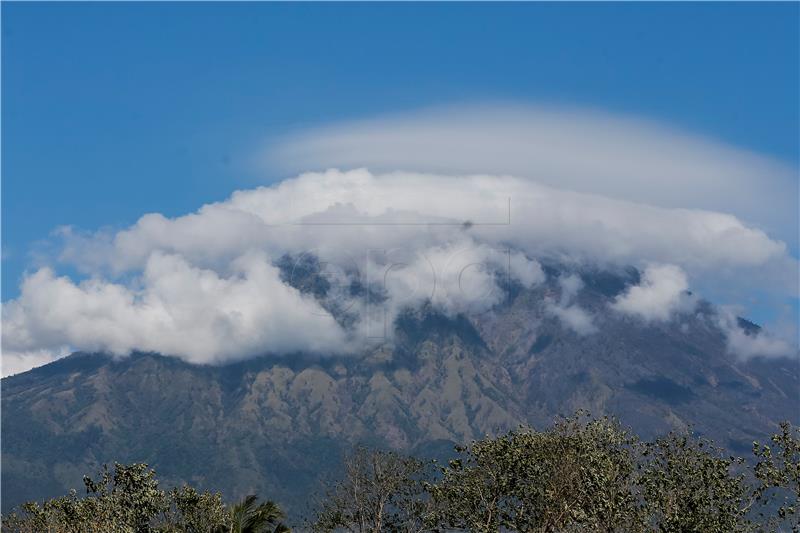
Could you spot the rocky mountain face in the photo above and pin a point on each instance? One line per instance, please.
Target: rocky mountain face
(277, 425)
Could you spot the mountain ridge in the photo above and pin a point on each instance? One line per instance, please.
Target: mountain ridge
(277, 424)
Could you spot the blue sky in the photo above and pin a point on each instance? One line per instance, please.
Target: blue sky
(114, 110)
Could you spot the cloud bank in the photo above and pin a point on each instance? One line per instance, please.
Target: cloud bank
(207, 286)
(176, 309)
(570, 148)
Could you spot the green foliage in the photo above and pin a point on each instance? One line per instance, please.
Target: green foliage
(124, 501)
(579, 474)
(66, 514)
(688, 485)
(128, 500)
(248, 516)
(191, 511)
(582, 474)
(779, 473)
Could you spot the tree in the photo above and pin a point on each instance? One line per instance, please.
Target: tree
(128, 500)
(577, 475)
(124, 500)
(582, 474)
(59, 515)
(380, 491)
(778, 474)
(248, 516)
(191, 511)
(688, 484)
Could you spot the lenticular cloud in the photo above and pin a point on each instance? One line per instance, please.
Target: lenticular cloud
(207, 286)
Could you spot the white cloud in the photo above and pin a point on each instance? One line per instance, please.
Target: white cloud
(751, 344)
(528, 272)
(662, 292)
(570, 286)
(202, 286)
(243, 309)
(594, 189)
(576, 149)
(340, 213)
(179, 310)
(571, 314)
(456, 277)
(12, 362)
(575, 318)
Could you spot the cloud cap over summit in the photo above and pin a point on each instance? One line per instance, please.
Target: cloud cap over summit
(205, 286)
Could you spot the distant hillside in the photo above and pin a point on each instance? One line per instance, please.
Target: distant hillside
(276, 424)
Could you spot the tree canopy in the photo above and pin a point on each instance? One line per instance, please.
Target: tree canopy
(127, 499)
(581, 474)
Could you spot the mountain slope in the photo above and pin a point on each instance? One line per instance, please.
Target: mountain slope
(276, 424)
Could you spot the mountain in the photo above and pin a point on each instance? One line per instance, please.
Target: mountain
(278, 424)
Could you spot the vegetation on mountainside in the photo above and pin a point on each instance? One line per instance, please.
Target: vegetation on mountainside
(582, 474)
